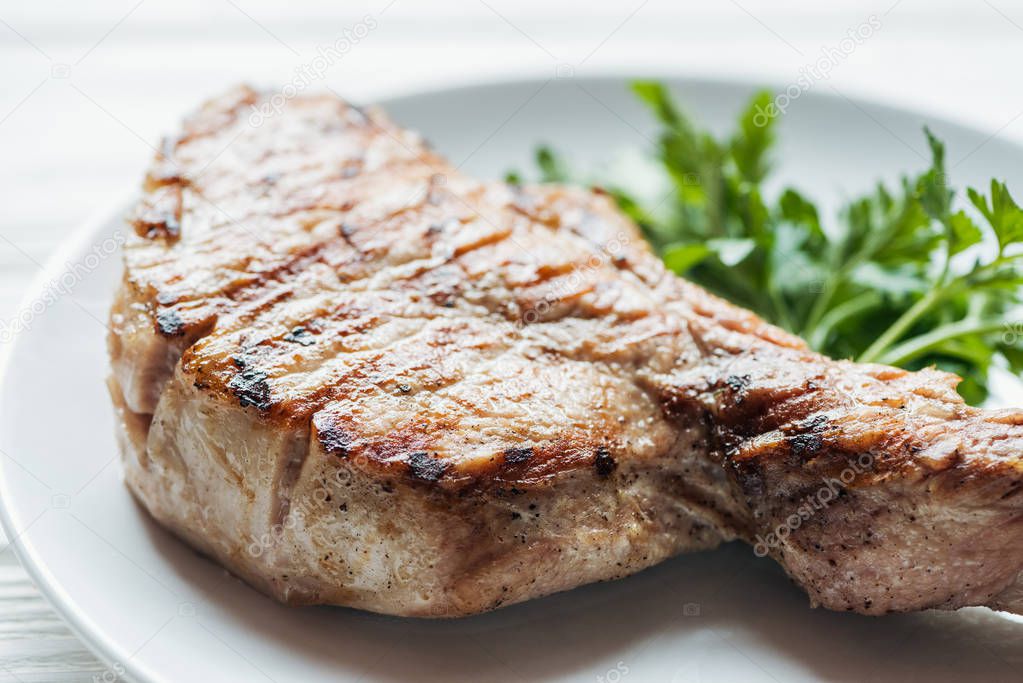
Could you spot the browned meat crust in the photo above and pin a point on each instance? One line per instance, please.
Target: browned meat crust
(355, 376)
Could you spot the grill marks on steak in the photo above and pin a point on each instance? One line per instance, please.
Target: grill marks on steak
(369, 310)
(877, 489)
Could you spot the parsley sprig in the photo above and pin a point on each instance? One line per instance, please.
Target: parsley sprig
(902, 275)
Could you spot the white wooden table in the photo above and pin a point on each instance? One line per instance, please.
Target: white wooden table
(87, 89)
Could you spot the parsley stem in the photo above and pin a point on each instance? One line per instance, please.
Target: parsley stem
(781, 309)
(880, 350)
(921, 344)
(820, 304)
(839, 272)
(900, 326)
(818, 335)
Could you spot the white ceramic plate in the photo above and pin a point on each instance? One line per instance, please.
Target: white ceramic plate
(157, 612)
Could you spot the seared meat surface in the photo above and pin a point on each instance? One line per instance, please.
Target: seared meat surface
(354, 376)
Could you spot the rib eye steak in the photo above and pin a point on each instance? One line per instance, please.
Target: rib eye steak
(355, 376)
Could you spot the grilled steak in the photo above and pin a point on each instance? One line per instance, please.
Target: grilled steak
(355, 376)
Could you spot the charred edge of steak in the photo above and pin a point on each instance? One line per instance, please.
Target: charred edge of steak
(423, 466)
(516, 456)
(603, 461)
(300, 335)
(738, 384)
(250, 386)
(808, 442)
(169, 323)
(333, 440)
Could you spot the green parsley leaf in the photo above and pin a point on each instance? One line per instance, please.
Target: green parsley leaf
(903, 275)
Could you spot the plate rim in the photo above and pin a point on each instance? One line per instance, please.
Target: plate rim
(51, 590)
(859, 95)
(107, 649)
